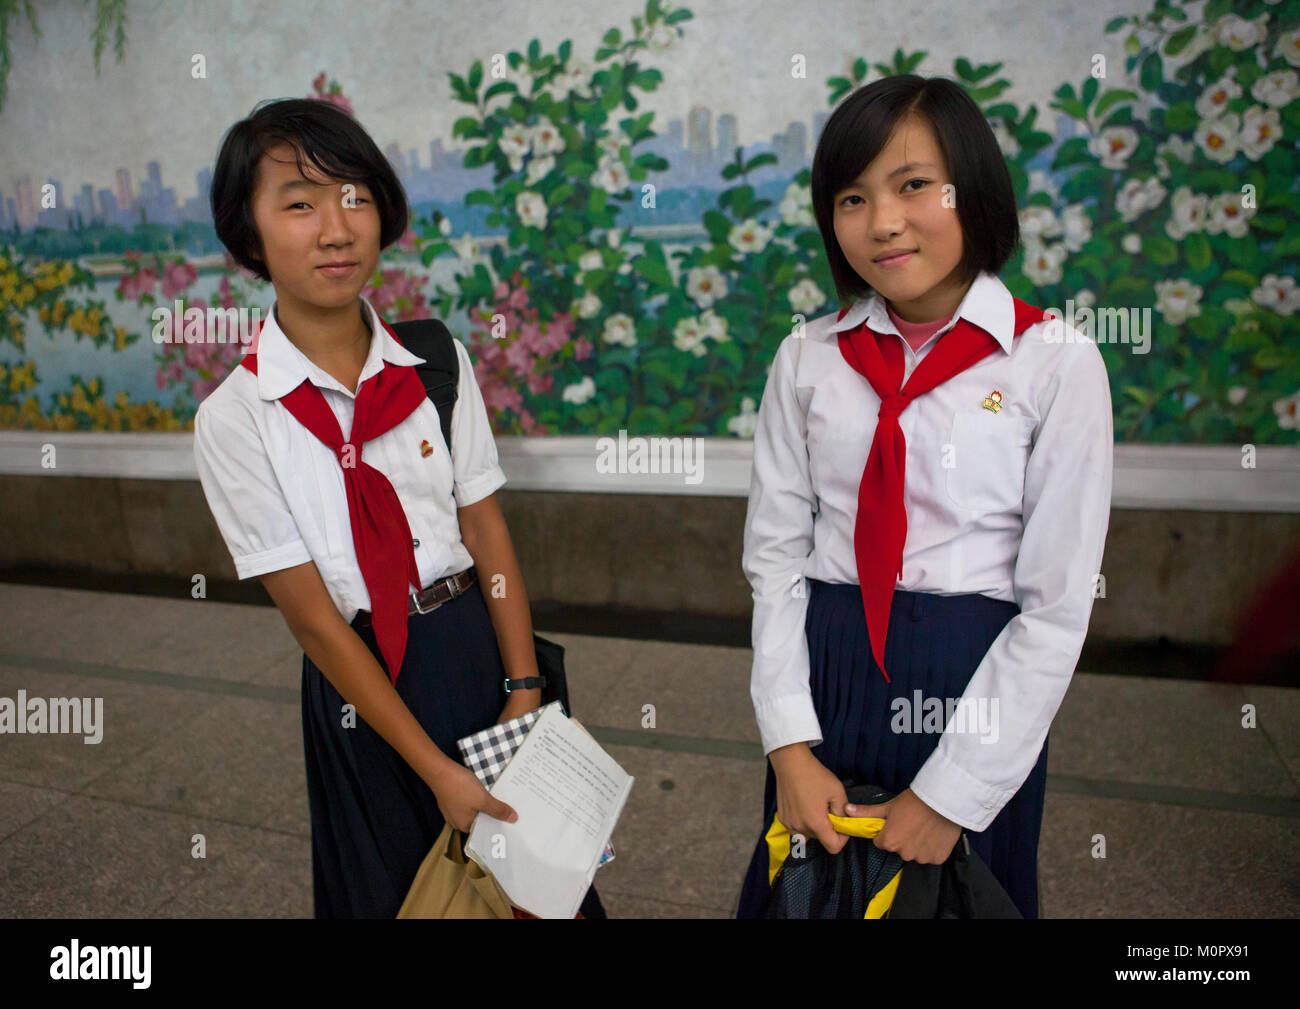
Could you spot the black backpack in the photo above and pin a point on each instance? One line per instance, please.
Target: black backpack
(440, 373)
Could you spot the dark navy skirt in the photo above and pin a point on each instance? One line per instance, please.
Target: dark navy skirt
(934, 644)
(373, 819)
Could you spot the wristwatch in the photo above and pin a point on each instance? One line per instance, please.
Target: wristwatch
(524, 683)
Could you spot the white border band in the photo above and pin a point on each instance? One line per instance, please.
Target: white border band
(1181, 477)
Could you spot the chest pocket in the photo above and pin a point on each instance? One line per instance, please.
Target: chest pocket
(989, 455)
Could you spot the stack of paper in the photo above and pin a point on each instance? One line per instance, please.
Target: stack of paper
(569, 794)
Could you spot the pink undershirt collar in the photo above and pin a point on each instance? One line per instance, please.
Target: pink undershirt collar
(915, 333)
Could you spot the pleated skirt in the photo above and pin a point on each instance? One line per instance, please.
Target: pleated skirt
(934, 645)
(373, 819)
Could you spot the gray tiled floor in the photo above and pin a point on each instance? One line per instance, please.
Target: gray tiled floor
(202, 747)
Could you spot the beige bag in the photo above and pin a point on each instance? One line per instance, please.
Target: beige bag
(449, 885)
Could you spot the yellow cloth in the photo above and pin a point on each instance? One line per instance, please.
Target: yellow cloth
(778, 850)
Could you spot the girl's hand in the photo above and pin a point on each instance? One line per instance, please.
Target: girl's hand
(912, 829)
(805, 793)
(461, 796)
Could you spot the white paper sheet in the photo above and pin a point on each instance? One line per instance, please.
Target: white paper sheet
(569, 794)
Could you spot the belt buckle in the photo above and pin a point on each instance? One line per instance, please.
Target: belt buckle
(415, 599)
(453, 586)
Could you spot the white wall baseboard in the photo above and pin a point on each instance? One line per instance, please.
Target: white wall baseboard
(1187, 477)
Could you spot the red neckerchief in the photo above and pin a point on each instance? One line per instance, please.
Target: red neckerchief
(880, 529)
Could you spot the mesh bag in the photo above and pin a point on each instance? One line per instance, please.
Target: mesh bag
(822, 885)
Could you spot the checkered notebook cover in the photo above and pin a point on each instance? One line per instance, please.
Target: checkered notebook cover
(486, 753)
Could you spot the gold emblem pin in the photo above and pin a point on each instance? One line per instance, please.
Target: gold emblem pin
(993, 401)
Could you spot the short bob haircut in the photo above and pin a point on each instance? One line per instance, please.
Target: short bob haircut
(330, 138)
(858, 130)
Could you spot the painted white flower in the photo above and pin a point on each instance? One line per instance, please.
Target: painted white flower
(444, 226)
(689, 336)
(613, 237)
(714, 327)
(1189, 213)
(796, 206)
(1260, 130)
(576, 77)
(516, 141)
(1277, 90)
(1043, 262)
(1214, 99)
(531, 209)
(1138, 196)
(610, 145)
(1236, 394)
(625, 268)
(1131, 243)
(1219, 138)
(1177, 300)
(1227, 215)
(588, 306)
(612, 176)
(465, 246)
(1008, 144)
(1038, 222)
(745, 422)
(806, 296)
(749, 237)
(1279, 294)
(1041, 182)
(547, 138)
(1114, 146)
(1085, 298)
(579, 392)
(661, 37)
(1077, 225)
(538, 169)
(1237, 33)
(705, 285)
(1288, 411)
(619, 330)
(1176, 146)
(590, 261)
(1288, 47)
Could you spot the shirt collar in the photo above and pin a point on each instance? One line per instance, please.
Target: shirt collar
(987, 304)
(282, 367)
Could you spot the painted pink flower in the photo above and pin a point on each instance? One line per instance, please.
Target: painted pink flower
(582, 349)
(135, 287)
(538, 384)
(176, 277)
(520, 359)
(500, 396)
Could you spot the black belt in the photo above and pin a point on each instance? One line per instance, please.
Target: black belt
(444, 590)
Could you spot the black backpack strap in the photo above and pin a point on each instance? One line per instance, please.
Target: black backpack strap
(440, 373)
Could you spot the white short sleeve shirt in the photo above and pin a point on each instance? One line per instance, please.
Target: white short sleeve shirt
(277, 492)
(1012, 504)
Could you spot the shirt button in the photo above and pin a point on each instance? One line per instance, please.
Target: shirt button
(415, 543)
